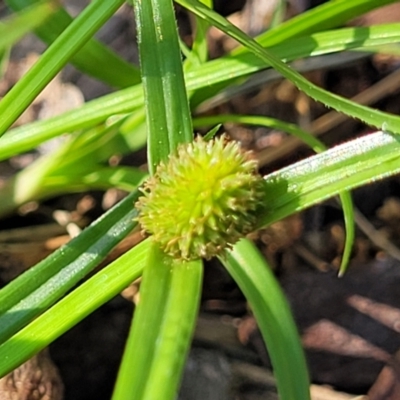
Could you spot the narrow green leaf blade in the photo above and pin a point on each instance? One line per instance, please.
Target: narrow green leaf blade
(375, 118)
(125, 178)
(317, 178)
(257, 282)
(32, 292)
(16, 26)
(57, 55)
(211, 73)
(94, 112)
(163, 325)
(326, 16)
(167, 108)
(94, 58)
(96, 291)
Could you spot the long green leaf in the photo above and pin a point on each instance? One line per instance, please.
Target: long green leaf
(257, 282)
(294, 188)
(15, 27)
(57, 55)
(165, 317)
(375, 118)
(163, 325)
(76, 165)
(326, 16)
(102, 178)
(167, 109)
(94, 58)
(211, 73)
(99, 289)
(230, 67)
(32, 292)
(317, 178)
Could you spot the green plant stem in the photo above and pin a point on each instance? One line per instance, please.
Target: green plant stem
(143, 335)
(176, 331)
(163, 325)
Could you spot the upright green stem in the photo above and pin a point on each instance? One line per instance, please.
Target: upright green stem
(142, 341)
(176, 331)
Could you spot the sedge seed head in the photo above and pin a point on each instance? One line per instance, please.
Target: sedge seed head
(203, 200)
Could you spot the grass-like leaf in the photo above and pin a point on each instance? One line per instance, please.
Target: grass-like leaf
(56, 56)
(167, 109)
(90, 59)
(176, 331)
(15, 27)
(32, 292)
(317, 178)
(287, 191)
(163, 324)
(99, 289)
(326, 16)
(375, 118)
(164, 320)
(76, 165)
(137, 359)
(257, 282)
(211, 73)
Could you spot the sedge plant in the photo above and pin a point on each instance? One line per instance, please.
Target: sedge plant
(201, 197)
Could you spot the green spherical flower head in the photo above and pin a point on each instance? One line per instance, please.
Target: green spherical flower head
(203, 200)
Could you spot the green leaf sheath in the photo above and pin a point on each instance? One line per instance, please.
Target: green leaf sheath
(141, 345)
(163, 324)
(176, 331)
